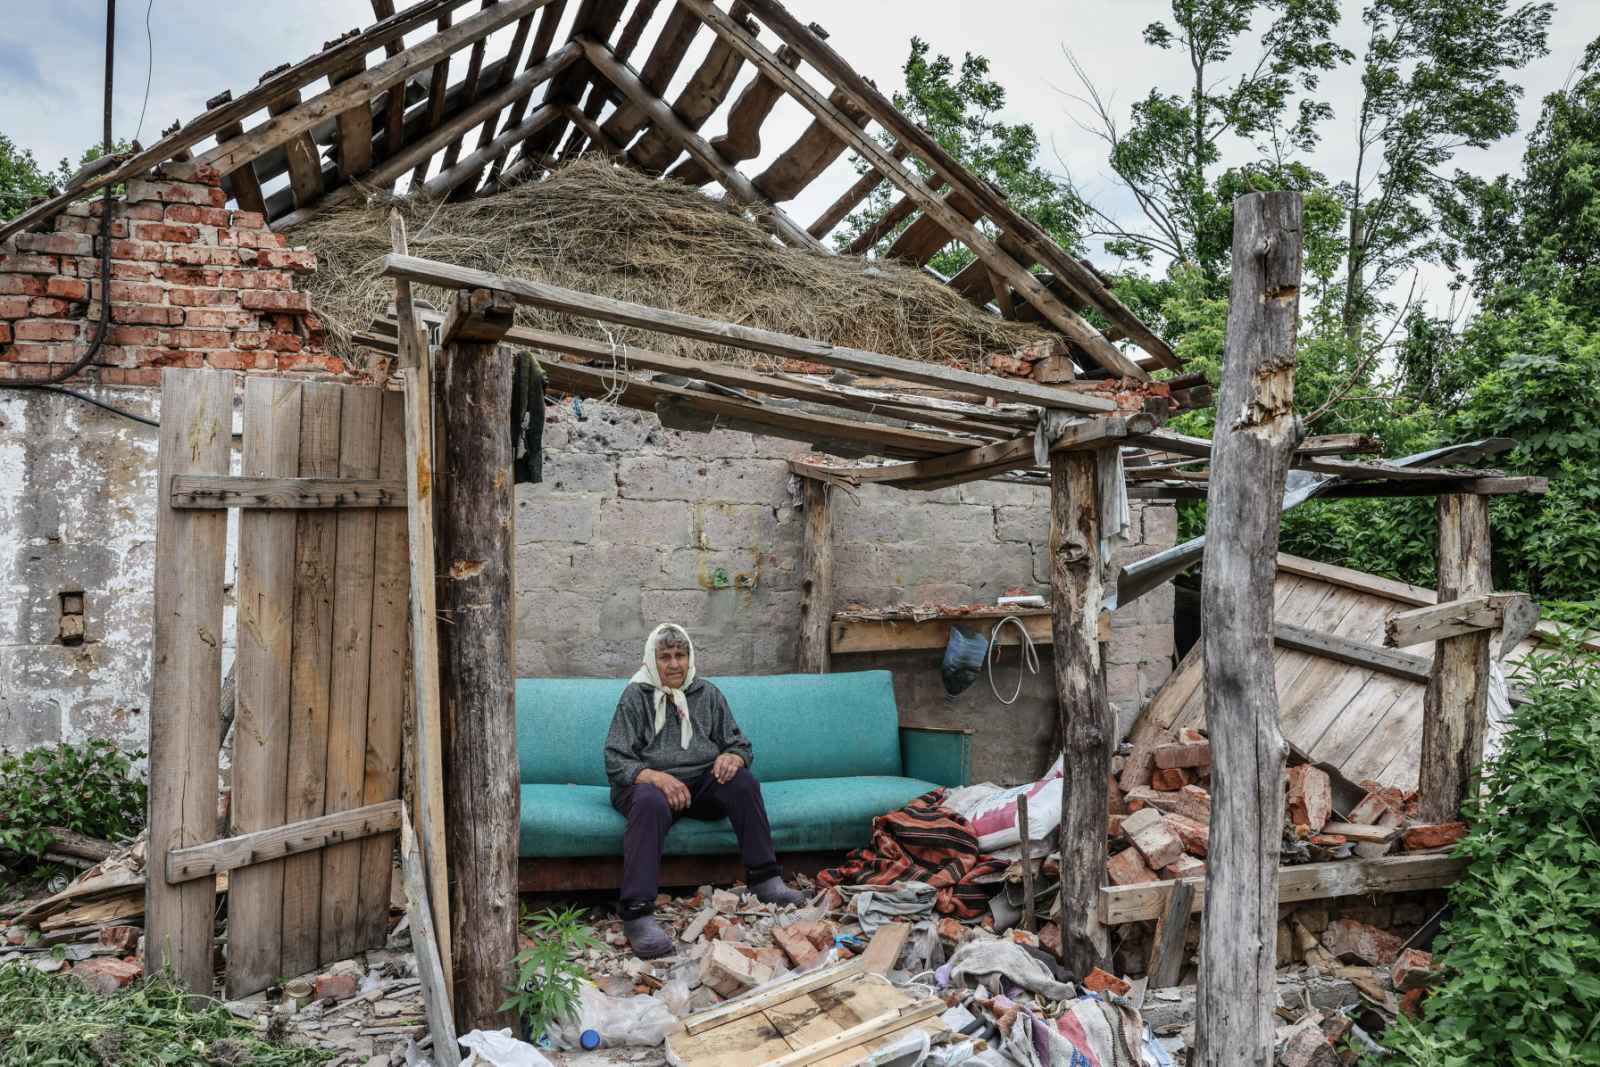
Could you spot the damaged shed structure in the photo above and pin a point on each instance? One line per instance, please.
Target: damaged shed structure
(477, 104)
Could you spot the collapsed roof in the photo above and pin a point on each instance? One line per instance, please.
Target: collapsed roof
(455, 110)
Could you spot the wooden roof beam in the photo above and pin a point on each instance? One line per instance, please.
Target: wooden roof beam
(665, 57)
(812, 153)
(596, 18)
(742, 140)
(851, 198)
(241, 183)
(472, 86)
(601, 92)
(605, 309)
(923, 239)
(295, 77)
(705, 91)
(391, 169)
(833, 67)
(898, 212)
(549, 20)
(392, 73)
(1070, 324)
(437, 87)
(667, 122)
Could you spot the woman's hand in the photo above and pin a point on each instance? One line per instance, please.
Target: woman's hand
(676, 792)
(728, 764)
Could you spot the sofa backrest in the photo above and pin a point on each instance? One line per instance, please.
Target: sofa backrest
(801, 725)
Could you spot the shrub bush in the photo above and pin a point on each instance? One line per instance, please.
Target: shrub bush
(1521, 952)
(92, 788)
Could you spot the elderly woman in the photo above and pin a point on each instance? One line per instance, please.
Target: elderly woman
(674, 750)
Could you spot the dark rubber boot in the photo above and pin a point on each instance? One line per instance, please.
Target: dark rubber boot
(647, 939)
(773, 891)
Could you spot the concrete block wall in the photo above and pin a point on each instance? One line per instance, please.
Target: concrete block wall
(636, 525)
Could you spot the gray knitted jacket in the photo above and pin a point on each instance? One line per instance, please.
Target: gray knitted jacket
(633, 744)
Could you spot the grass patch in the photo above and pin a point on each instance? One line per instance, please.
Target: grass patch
(54, 1021)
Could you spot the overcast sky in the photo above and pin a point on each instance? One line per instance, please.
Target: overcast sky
(51, 58)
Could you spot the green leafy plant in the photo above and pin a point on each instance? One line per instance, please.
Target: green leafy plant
(1521, 953)
(547, 973)
(48, 1019)
(92, 789)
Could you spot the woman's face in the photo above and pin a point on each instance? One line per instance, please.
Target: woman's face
(672, 664)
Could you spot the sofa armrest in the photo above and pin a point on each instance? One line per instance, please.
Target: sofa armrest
(942, 755)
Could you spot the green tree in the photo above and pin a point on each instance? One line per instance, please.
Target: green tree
(1433, 82)
(21, 179)
(957, 104)
(1170, 156)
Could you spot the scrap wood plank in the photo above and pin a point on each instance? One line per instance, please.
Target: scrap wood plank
(185, 683)
(310, 674)
(742, 1007)
(224, 491)
(1380, 835)
(230, 853)
(265, 637)
(350, 671)
(1485, 611)
(425, 651)
(386, 687)
(1172, 930)
(385, 32)
(624, 313)
(1310, 881)
(847, 635)
(430, 959)
(883, 951)
(876, 1026)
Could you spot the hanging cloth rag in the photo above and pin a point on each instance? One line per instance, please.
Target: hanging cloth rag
(527, 420)
(649, 675)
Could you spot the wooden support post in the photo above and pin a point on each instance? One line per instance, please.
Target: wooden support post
(1172, 931)
(816, 577)
(1085, 717)
(186, 676)
(1249, 461)
(1455, 707)
(476, 647)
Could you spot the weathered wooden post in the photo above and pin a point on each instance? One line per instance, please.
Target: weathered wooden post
(1256, 432)
(472, 381)
(1076, 594)
(816, 577)
(1456, 705)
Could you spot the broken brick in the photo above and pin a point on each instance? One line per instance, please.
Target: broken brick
(1184, 867)
(107, 974)
(1184, 754)
(121, 938)
(1411, 1003)
(1310, 797)
(334, 986)
(1196, 836)
(1148, 831)
(1145, 797)
(1170, 779)
(729, 972)
(1434, 835)
(1098, 981)
(1354, 941)
(1194, 803)
(1050, 939)
(1128, 868)
(1308, 1046)
(795, 945)
(1412, 969)
(952, 930)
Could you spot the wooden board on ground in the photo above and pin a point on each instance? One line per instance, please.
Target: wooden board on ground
(810, 1021)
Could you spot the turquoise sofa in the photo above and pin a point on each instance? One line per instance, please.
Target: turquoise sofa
(829, 750)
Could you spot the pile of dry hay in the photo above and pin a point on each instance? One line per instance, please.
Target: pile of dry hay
(604, 229)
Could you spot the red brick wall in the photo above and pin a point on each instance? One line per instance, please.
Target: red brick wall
(192, 285)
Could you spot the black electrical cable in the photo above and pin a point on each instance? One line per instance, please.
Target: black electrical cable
(52, 383)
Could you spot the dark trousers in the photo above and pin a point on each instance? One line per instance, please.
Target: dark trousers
(649, 818)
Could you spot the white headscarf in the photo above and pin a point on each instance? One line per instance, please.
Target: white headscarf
(650, 675)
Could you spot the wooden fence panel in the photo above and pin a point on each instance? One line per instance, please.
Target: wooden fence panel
(386, 695)
(352, 643)
(186, 674)
(261, 735)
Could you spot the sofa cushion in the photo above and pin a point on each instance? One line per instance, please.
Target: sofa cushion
(806, 814)
(802, 725)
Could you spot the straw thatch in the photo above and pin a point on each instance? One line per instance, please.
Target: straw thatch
(609, 230)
